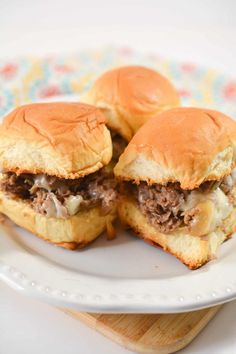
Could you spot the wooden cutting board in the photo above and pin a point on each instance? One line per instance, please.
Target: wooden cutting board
(149, 334)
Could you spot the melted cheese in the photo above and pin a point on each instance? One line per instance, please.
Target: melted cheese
(222, 206)
(72, 204)
(61, 211)
(41, 181)
(53, 207)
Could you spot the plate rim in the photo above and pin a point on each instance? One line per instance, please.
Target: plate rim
(20, 271)
(96, 303)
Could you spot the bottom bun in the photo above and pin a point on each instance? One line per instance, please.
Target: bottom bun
(74, 232)
(193, 251)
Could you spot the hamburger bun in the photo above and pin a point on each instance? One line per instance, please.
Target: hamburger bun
(191, 250)
(67, 140)
(178, 151)
(75, 232)
(185, 145)
(131, 95)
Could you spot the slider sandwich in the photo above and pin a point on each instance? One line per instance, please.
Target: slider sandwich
(128, 96)
(179, 183)
(54, 180)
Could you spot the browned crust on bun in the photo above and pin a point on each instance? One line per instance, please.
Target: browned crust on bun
(68, 245)
(67, 140)
(185, 145)
(130, 95)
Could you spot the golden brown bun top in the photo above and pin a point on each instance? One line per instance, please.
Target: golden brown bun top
(186, 145)
(130, 95)
(60, 124)
(73, 137)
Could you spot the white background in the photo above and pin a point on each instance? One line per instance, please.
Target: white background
(202, 31)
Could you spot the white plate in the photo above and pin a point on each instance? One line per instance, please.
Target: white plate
(123, 275)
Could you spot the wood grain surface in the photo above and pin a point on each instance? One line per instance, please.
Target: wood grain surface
(151, 333)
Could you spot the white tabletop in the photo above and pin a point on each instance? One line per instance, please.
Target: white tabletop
(28, 326)
(200, 31)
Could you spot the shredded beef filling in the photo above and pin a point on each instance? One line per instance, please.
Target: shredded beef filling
(163, 205)
(62, 198)
(118, 145)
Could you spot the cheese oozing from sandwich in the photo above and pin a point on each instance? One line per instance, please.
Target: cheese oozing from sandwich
(169, 207)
